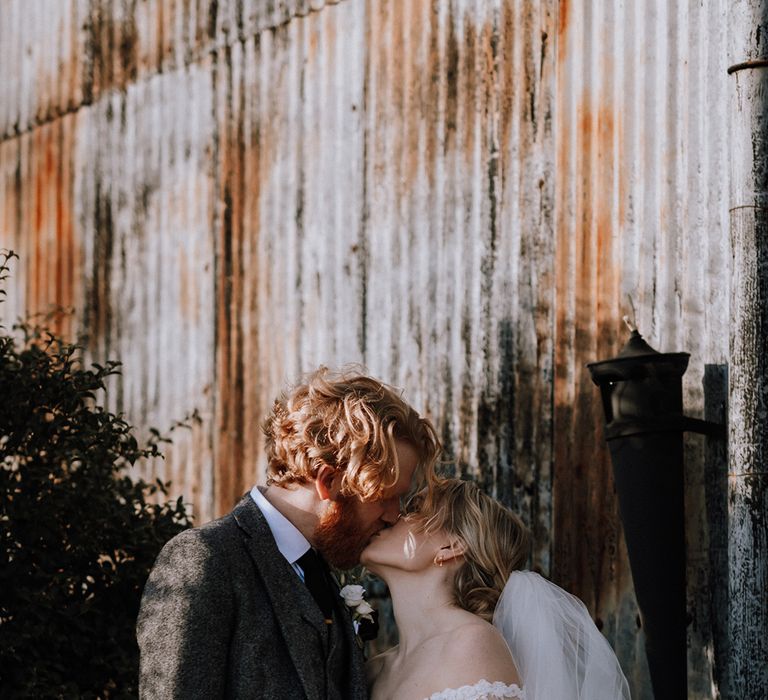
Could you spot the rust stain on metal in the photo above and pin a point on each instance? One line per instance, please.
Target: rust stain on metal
(450, 77)
(413, 100)
(589, 557)
(508, 80)
(563, 12)
(244, 156)
(430, 90)
(230, 365)
(52, 254)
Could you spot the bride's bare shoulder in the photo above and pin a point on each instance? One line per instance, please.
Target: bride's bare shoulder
(479, 650)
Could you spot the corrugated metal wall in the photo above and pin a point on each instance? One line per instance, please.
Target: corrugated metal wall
(642, 228)
(464, 196)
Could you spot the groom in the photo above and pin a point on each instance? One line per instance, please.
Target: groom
(244, 607)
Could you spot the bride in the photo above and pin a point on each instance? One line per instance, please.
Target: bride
(472, 626)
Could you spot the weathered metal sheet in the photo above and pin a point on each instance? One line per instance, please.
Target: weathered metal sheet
(338, 270)
(44, 55)
(462, 196)
(288, 106)
(71, 52)
(456, 234)
(641, 211)
(747, 474)
(145, 196)
(109, 210)
(386, 222)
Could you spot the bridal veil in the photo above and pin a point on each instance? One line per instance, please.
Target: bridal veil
(558, 650)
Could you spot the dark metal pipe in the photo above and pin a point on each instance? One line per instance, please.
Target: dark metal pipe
(648, 472)
(642, 397)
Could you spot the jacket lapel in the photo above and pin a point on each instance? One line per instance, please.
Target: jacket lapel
(300, 621)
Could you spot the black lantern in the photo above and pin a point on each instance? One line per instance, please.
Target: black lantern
(642, 397)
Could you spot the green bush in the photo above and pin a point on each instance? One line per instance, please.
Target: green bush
(77, 535)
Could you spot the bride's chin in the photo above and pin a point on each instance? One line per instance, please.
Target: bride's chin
(368, 562)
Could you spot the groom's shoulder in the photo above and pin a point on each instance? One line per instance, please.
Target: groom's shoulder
(208, 539)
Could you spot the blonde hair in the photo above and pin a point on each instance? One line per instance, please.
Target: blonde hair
(496, 541)
(349, 422)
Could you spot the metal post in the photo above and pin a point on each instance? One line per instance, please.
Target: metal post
(748, 430)
(642, 397)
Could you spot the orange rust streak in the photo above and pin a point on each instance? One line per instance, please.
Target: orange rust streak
(36, 298)
(253, 408)
(468, 88)
(608, 311)
(62, 256)
(563, 18)
(429, 89)
(69, 242)
(507, 80)
(398, 61)
(414, 114)
(410, 70)
(589, 554)
(47, 194)
(230, 459)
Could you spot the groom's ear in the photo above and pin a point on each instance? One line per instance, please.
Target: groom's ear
(326, 483)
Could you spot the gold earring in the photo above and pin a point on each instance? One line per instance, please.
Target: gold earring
(438, 562)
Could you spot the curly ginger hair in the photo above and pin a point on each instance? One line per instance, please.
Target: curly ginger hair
(350, 422)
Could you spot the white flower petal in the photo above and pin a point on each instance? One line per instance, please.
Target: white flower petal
(352, 594)
(364, 609)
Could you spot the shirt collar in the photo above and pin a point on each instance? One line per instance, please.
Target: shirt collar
(290, 542)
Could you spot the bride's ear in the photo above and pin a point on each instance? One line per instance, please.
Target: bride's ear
(449, 552)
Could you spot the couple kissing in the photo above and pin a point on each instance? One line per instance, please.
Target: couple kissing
(247, 607)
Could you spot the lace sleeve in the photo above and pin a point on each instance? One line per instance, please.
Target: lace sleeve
(482, 690)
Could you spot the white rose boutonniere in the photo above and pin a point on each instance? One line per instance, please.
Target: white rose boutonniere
(354, 597)
(365, 619)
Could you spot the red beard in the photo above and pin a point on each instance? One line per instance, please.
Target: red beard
(338, 537)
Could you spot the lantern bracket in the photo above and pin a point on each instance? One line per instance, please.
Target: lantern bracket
(664, 424)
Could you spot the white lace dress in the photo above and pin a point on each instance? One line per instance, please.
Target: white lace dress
(482, 690)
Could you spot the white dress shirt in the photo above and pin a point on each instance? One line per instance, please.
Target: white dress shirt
(290, 542)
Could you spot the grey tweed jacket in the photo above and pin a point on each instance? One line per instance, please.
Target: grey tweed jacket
(223, 615)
